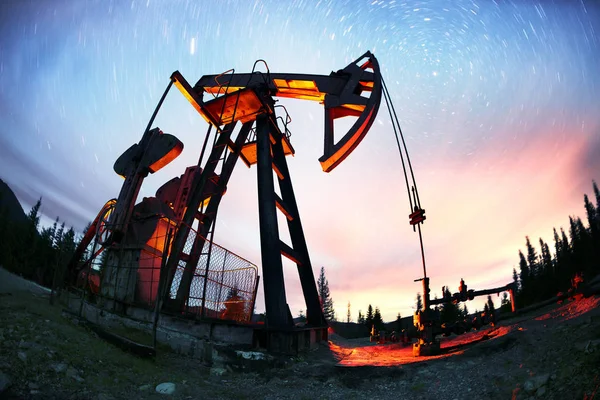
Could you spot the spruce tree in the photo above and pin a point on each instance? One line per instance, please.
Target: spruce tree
(369, 317)
(592, 215)
(450, 312)
(377, 320)
(546, 273)
(516, 279)
(525, 279)
(465, 311)
(348, 315)
(325, 296)
(597, 194)
(532, 258)
(27, 249)
(419, 303)
(398, 324)
(53, 232)
(361, 317)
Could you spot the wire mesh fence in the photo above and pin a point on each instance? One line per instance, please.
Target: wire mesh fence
(223, 284)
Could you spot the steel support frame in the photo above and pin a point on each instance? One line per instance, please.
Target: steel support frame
(270, 156)
(198, 187)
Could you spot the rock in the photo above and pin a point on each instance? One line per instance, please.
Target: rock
(33, 386)
(540, 392)
(536, 382)
(22, 356)
(217, 371)
(145, 387)
(5, 382)
(251, 355)
(73, 373)
(166, 388)
(592, 345)
(58, 367)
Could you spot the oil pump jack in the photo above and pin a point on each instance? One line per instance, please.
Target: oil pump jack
(248, 125)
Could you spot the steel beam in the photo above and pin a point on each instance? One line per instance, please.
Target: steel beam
(275, 300)
(314, 312)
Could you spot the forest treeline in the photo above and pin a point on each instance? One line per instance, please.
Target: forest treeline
(544, 272)
(33, 253)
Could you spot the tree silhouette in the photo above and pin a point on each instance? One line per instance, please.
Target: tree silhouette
(377, 320)
(532, 259)
(325, 296)
(398, 324)
(361, 317)
(450, 312)
(369, 317)
(525, 279)
(419, 303)
(578, 253)
(348, 315)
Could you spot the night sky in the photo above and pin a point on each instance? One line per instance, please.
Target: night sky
(499, 102)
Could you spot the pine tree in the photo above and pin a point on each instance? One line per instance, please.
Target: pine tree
(545, 279)
(419, 303)
(516, 279)
(348, 315)
(27, 249)
(361, 318)
(325, 296)
(597, 194)
(59, 236)
(532, 258)
(377, 320)
(525, 282)
(369, 317)
(450, 312)
(398, 323)
(465, 311)
(34, 215)
(53, 232)
(592, 214)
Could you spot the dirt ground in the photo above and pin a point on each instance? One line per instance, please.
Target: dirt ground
(553, 353)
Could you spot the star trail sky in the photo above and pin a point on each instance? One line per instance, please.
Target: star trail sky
(499, 101)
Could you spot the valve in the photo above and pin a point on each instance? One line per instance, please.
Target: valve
(417, 216)
(462, 288)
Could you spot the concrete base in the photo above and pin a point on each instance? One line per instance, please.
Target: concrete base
(290, 342)
(214, 342)
(426, 349)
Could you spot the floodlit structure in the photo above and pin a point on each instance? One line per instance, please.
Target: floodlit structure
(159, 253)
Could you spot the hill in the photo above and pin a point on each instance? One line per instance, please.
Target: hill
(10, 203)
